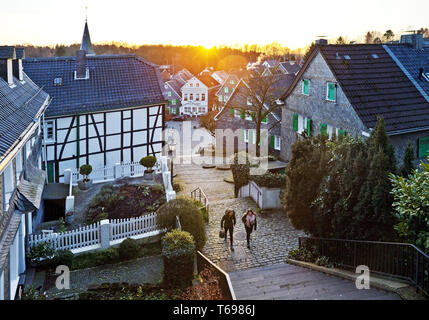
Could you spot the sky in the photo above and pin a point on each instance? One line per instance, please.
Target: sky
(294, 24)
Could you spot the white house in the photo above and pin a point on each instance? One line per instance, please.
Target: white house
(106, 109)
(197, 95)
(22, 105)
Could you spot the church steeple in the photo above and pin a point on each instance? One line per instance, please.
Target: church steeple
(86, 41)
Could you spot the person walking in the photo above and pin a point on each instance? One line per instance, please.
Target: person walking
(227, 223)
(249, 220)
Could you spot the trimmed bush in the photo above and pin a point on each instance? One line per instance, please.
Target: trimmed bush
(128, 249)
(190, 216)
(178, 249)
(148, 162)
(85, 170)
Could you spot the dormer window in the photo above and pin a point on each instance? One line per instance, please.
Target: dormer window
(58, 82)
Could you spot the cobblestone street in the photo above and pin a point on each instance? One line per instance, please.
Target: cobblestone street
(270, 243)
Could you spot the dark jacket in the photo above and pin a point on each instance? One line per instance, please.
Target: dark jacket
(227, 221)
(243, 219)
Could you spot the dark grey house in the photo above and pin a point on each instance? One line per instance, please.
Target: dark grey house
(344, 88)
(234, 119)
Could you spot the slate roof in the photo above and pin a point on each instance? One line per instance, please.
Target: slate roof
(291, 67)
(176, 85)
(19, 106)
(374, 85)
(412, 60)
(115, 82)
(208, 81)
(222, 74)
(7, 52)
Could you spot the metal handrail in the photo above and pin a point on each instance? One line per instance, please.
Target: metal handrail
(199, 195)
(400, 260)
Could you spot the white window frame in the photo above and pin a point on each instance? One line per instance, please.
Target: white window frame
(169, 93)
(49, 124)
(8, 185)
(237, 113)
(277, 142)
(301, 124)
(246, 135)
(220, 98)
(248, 116)
(327, 92)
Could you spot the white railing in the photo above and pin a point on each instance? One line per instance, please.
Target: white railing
(102, 234)
(126, 228)
(87, 237)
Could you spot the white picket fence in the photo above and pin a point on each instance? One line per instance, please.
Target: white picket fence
(110, 173)
(74, 240)
(91, 237)
(126, 228)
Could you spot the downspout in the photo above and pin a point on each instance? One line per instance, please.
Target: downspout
(77, 141)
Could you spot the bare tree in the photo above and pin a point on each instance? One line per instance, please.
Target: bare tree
(389, 35)
(369, 37)
(257, 97)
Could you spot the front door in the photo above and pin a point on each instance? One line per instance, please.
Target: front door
(51, 172)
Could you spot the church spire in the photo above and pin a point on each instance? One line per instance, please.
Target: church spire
(86, 41)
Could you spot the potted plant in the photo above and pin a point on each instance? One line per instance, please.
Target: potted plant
(40, 254)
(85, 183)
(148, 162)
(69, 217)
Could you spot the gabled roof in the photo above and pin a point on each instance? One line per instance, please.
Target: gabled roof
(271, 63)
(176, 85)
(227, 83)
(208, 81)
(374, 85)
(86, 41)
(291, 67)
(221, 74)
(411, 60)
(184, 74)
(115, 82)
(20, 105)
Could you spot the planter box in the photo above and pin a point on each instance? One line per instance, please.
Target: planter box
(265, 198)
(84, 185)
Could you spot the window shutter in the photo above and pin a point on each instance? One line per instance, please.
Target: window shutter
(232, 112)
(272, 140)
(264, 120)
(253, 115)
(331, 91)
(295, 122)
(323, 129)
(308, 127)
(305, 86)
(242, 114)
(423, 147)
(341, 132)
(177, 110)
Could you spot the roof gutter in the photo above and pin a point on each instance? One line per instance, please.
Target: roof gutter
(398, 132)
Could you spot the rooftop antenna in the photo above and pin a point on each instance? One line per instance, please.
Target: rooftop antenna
(86, 13)
(412, 31)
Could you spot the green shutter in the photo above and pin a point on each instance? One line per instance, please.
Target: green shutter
(305, 86)
(341, 132)
(253, 115)
(272, 141)
(264, 120)
(331, 91)
(423, 147)
(242, 114)
(177, 110)
(308, 127)
(232, 112)
(323, 129)
(295, 122)
(50, 172)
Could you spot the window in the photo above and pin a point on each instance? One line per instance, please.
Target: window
(185, 97)
(305, 87)
(197, 97)
(191, 85)
(237, 113)
(220, 98)
(8, 186)
(277, 142)
(201, 110)
(423, 144)
(295, 122)
(174, 102)
(203, 97)
(331, 91)
(248, 116)
(191, 96)
(18, 165)
(246, 135)
(231, 82)
(197, 85)
(323, 129)
(50, 131)
(249, 101)
(225, 89)
(169, 93)
(58, 82)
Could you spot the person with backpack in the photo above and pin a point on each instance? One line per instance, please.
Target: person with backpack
(227, 223)
(249, 221)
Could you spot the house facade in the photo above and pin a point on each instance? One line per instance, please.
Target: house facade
(105, 109)
(197, 95)
(22, 106)
(225, 90)
(344, 88)
(173, 94)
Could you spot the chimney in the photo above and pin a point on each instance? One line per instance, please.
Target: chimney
(17, 64)
(7, 55)
(81, 64)
(421, 74)
(322, 41)
(415, 40)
